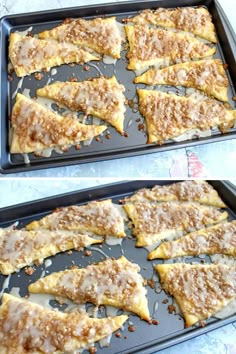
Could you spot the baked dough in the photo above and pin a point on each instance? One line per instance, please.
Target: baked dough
(29, 54)
(19, 248)
(206, 75)
(155, 222)
(195, 20)
(112, 282)
(101, 97)
(200, 290)
(101, 34)
(218, 239)
(188, 191)
(36, 128)
(26, 327)
(168, 115)
(150, 46)
(101, 218)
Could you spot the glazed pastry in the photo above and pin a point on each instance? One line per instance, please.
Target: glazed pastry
(187, 191)
(19, 248)
(206, 75)
(112, 282)
(155, 222)
(100, 97)
(168, 115)
(36, 128)
(150, 46)
(26, 327)
(100, 34)
(101, 218)
(29, 54)
(200, 290)
(196, 20)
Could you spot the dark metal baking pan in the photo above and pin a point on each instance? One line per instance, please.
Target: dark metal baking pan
(146, 338)
(117, 146)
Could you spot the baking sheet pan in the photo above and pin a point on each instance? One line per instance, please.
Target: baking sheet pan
(146, 338)
(117, 145)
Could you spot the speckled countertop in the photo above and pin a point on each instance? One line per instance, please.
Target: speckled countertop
(210, 160)
(220, 341)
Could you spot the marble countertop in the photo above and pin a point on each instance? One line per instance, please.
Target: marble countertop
(203, 161)
(220, 341)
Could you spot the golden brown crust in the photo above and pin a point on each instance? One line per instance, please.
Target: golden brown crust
(195, 20)
(168, 116)
(29, 328)
(219, 239)
(36, 127)
(100, 34)
(150, 46)
(188, 191)
(101, 218)
(101, 97)
(112, 282)
(19, 248)
(29, 54)
(154, 222)
(206, 75)
(200, 290)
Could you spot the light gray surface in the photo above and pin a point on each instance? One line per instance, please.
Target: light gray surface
(211, 160)
(220, 341)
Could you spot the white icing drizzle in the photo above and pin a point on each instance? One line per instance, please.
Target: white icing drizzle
(95, 67)
(5, 285)
(155, 307)
(47, 264)
(105, 342)
(18, 87)
(113, 241)
(53, 71)
(192, 133)
(108, 60)
(98, 250)
(25, 32)
(26, 158)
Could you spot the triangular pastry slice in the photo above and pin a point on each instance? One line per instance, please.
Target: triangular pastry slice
(26, 327)
(29, 54)
(155, 222)
(36, 128)
(101, 34)
(188, 191)
(112, 282)
(196, 20)
(168, 115)
(218, 239)
(100, 97)
(206, 75)
(200, 290)
(99, 217)
(19, 248)
(150, 46)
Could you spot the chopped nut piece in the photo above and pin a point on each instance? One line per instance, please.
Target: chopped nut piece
(131, 328)
(38, 76)
(165, 301)
(87, 253)
(29, 270)
(171, 309)
(118, 335)
(151, 283)
(155, 322)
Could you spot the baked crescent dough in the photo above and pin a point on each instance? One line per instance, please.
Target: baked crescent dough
(36, 128)
(101, 218)
(188, 191)
(195, 20)
(101, 34)
(168, 115)
(218, 239)
(150, 46)
(101, 97)
(26, 327)
(206, 75)
(112, 282)
(19, 248)
(200, 290)
(155, 222)
(29, 54)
